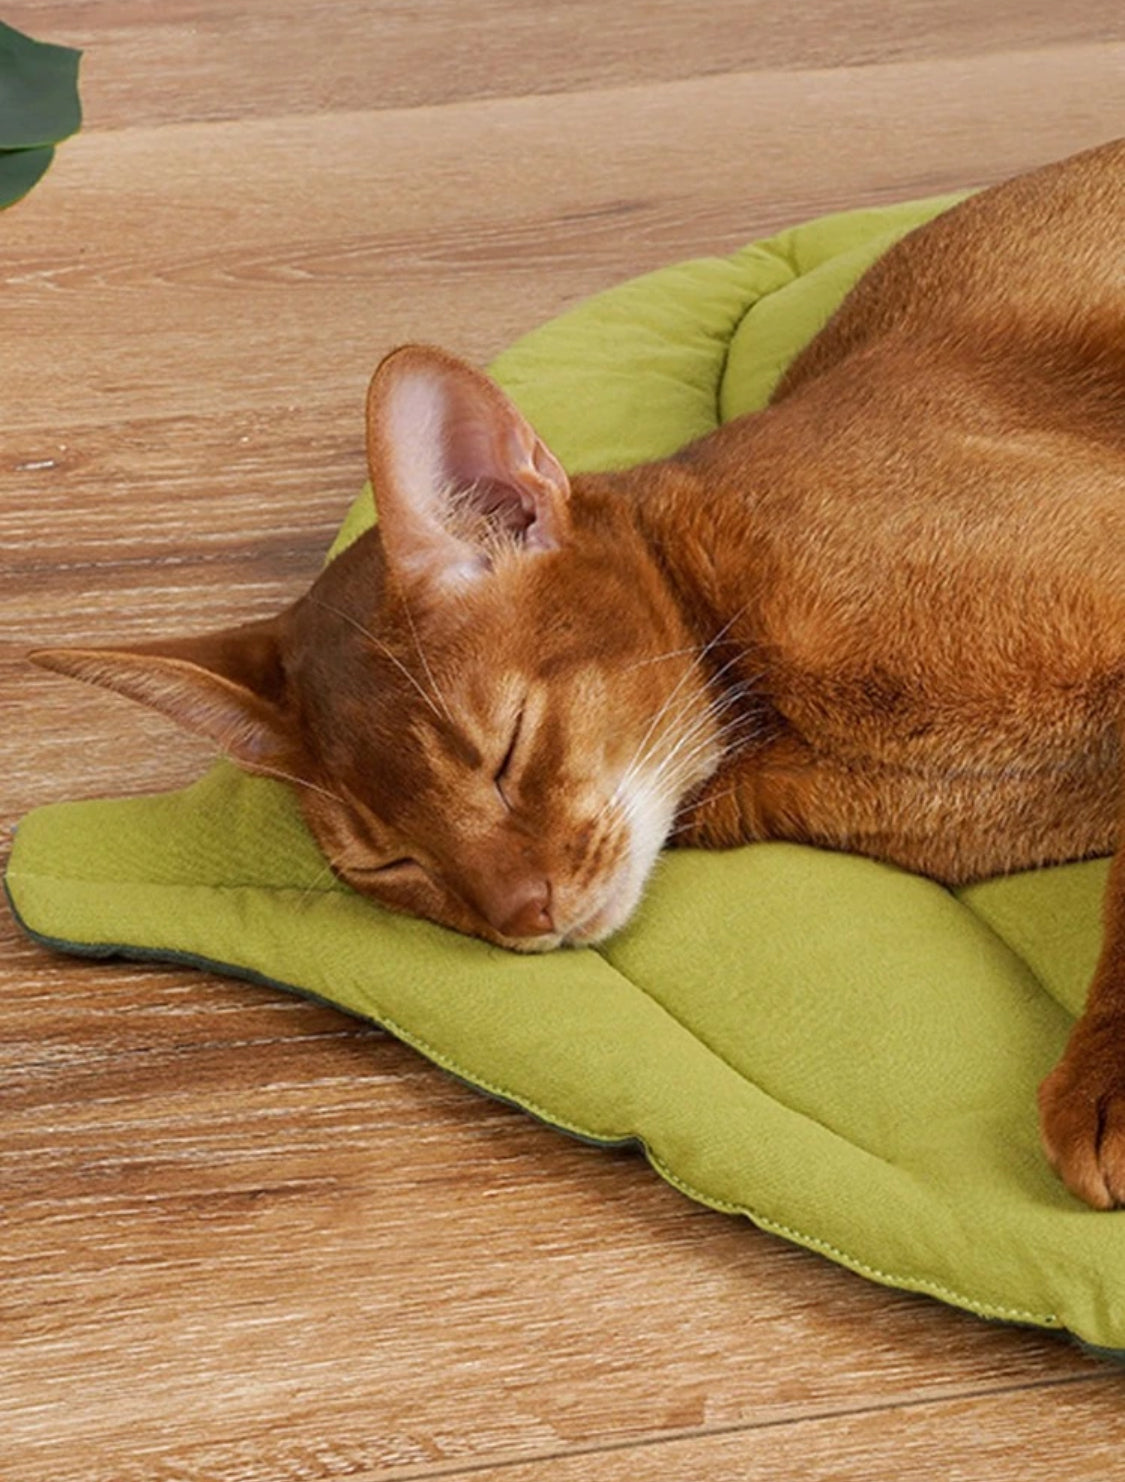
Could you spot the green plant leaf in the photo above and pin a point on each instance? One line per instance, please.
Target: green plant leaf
(38, 91)
(20, 169)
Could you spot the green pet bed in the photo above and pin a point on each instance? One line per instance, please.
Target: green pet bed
(844, 1053)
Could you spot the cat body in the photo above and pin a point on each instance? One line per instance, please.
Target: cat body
(885, 614)
(919, 548)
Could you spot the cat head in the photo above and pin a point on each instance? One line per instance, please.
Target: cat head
(490, 706)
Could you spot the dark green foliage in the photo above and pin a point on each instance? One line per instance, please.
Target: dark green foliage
(38, 107)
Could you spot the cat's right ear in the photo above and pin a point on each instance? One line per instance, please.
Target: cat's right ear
(226, 686)
(451, 455)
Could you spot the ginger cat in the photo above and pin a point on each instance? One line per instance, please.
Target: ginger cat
(886, 614)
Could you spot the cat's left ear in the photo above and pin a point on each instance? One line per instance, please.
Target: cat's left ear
(456, 467)
(228, 686)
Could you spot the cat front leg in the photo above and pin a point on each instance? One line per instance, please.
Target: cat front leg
(1082, 1101)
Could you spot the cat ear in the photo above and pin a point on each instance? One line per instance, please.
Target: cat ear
(225, 686)
(456, 469)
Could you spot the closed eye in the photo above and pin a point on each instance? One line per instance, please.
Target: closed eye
(500, 775)
(392, 865)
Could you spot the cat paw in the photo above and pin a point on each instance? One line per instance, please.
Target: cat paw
(1082, 1114)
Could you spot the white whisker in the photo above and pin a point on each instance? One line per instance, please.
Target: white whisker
(710, 712)
(332, 864)
(260, 770)
(378, 642)
(673, 653)
(728, 792)
(425, 662)
(664, 785)
(700, 720)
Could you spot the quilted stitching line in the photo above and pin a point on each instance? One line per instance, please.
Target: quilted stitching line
(921, 1284)
(748, 308)
(770, 248)
(735, 1071)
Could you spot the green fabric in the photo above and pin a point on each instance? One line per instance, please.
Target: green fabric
(38, 107)
(843, 1052)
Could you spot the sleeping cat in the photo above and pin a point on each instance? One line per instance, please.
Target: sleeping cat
(886, 614)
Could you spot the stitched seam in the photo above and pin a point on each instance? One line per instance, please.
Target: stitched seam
(724, 1206)
(747, 1080)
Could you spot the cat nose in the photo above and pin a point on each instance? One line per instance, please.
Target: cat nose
(528, 910)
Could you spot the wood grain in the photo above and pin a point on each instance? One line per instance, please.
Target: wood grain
(479, 217)
(234, 60)
(246, 1239)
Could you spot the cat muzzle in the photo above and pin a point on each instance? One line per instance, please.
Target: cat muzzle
(526, 910)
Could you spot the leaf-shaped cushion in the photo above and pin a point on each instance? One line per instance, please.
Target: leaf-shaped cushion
(843, 1052)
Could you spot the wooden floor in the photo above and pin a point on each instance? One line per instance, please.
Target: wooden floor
(244, 1239)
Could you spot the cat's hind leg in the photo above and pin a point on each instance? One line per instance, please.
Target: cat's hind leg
(1082, 1101)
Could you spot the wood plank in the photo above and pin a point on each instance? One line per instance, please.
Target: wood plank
(1033, 1435)
(465, 224)
(76, 742)
(239, 60)
(171, 491)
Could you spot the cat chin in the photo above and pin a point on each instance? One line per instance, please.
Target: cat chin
(600, 926)
(529, 945)
(611, 915)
